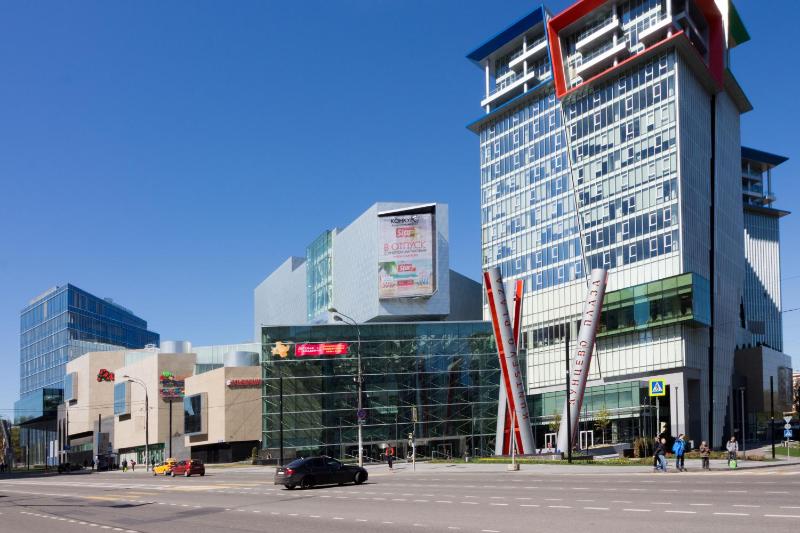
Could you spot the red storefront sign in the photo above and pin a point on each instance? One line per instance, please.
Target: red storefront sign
(317, 349)
(244, 382)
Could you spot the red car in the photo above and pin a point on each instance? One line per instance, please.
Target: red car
(188, 467)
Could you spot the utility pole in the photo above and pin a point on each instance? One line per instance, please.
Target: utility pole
(341, 317)
(280, 415)
(772, 415)
(566, 391)
(146, 419)
(744, 445)
(170, 427)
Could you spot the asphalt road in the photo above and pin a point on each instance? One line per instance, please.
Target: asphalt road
(468, 498)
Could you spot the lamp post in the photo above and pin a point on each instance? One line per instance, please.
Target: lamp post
(744, 445)
(146, 420)
(341, 317)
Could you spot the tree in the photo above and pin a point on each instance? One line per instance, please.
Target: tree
(602, 419)
(555, 423)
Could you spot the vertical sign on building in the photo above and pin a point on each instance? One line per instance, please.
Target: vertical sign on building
(509, 362)
(579, 369)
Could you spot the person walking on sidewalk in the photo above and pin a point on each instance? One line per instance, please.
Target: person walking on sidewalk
(124, 465)
(661, 454)
(733, 450)
(390, 457)
(133, 465)
(705, 454)
(679, 449)
(655, 455)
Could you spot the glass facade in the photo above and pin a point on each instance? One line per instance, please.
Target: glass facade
(64, 324)
(447, 371)
(626, 405)
(319, 279)
(122, 398)
(193, 414)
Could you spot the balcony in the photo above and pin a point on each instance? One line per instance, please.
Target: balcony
(534, 50)
(602, 60)
(591, 40)
(509, 88)
(655, 32)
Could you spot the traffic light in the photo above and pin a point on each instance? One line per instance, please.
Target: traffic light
(662, 428)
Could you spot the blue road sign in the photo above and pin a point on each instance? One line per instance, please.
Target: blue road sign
(787, 433)
(362, 414)
(657, 387)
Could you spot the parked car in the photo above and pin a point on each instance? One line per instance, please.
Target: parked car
(312, 471)
(165, 467)
(188, 467)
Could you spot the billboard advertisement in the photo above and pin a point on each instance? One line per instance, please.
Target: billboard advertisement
(307, 349)
(407, 256)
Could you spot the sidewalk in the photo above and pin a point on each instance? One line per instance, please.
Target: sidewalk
(692, 466)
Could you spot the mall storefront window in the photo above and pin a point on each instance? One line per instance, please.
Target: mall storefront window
(444, 372)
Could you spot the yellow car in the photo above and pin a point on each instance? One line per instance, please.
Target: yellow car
(164, 468)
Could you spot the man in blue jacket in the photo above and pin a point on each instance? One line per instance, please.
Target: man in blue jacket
(679, 448)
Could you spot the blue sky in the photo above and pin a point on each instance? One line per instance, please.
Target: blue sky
(171, 154)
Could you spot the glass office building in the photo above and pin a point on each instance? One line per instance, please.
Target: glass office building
(445, 374)
(64, 323)
(599, 125)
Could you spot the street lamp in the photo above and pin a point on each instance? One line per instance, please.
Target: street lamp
(146, 420)
(341, 317)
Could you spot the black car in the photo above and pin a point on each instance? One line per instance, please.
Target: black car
(312, 471)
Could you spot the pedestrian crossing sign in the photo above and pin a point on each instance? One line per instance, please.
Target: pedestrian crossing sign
(657, 387)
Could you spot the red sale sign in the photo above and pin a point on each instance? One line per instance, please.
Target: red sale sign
(317, 349)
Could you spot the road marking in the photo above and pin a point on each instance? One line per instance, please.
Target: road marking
(559, 506)
(790, 507)
(338, 518)
(469, 503)
(660, 503)
(637, 510)
(621, 501)
(681, 512)
(700, 504)
(443, 501)
(499, 504)
(489, 531)
(528, 505)
(745, 505)
(553, 499)
(596, 508)
(777, 492)
(782, 515)
(732, 514)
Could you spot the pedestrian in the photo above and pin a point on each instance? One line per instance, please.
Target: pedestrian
(390, 457)
(655, 456)
(705, 454)
(124, 465)
(733, 451)
(661, 454)
(679, 449)
(133, 465)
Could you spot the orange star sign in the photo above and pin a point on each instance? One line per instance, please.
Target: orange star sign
(281, 350)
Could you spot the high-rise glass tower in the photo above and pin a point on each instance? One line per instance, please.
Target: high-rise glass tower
(610, 138)
(56, 327)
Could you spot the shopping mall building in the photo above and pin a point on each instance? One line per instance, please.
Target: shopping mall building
(610, 138)
(429, 364)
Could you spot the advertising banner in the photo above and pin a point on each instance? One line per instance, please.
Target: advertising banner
(171, 387)
(317, 349)
(406, 260)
